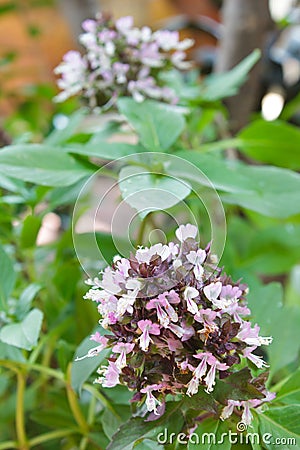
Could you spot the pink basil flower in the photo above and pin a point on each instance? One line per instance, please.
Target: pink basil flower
(189, 294)
(147, 328)
(161, 313)
(105, 71)
(124, 24)
(164, 310)
(186, 231)
(257, 360)
(206, 316)
(197, 326)
(123, 349)
(188, 331)
(151, 401)
(197, 259)
(174, 344)
(95, 350)
(250, 335)
(206, 358)
(111, 376)
(229, 292)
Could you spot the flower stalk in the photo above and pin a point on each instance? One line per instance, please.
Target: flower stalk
(74, 405)
(121, 60)
(177, 324)
(20, 422)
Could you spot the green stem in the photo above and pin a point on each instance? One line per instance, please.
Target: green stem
(20, 423)
(8, 445)
(108, 173)
(278, 386)
(90, 420)
(74, 405)
(220, 145)
(140, 236)
(50, 436)
(37, 367)
(102, 398)
(140, 164)
(83, 443)
(35, 353)
(91, 412)
(48, 371)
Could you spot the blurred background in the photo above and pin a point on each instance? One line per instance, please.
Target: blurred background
(35, 34)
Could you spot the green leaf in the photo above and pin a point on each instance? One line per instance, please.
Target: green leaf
(66, 278)
(4, 384)
(209, 436)
(16, 186)
(12, 353)
(7, 278)
(111, 422)
(98, 439)
(64, 195)
(119, 395)
(276, 320)
(12, 199)
(202, 401)
(25, 300)
(58, 137)
(273, 250)
(58, 416)
(136, 429)
(236, 387)
(157, 124)
(284, 348)
(30, 229)
(147, 191)
(105, 131)
(281, 424)
(81, 370)
(271, 191)
(266, 303)
(227, 84)
(267, 250)
(290, 391)
(146, 444)
(65, 352)
(271, 142)
(53, 419)
(254, 431)
(24, 334)
(40, 164)
(185, 85)
(227, 176)
(105, 150)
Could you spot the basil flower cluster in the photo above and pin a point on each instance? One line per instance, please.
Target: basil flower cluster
(121, 60)
(176, 323)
